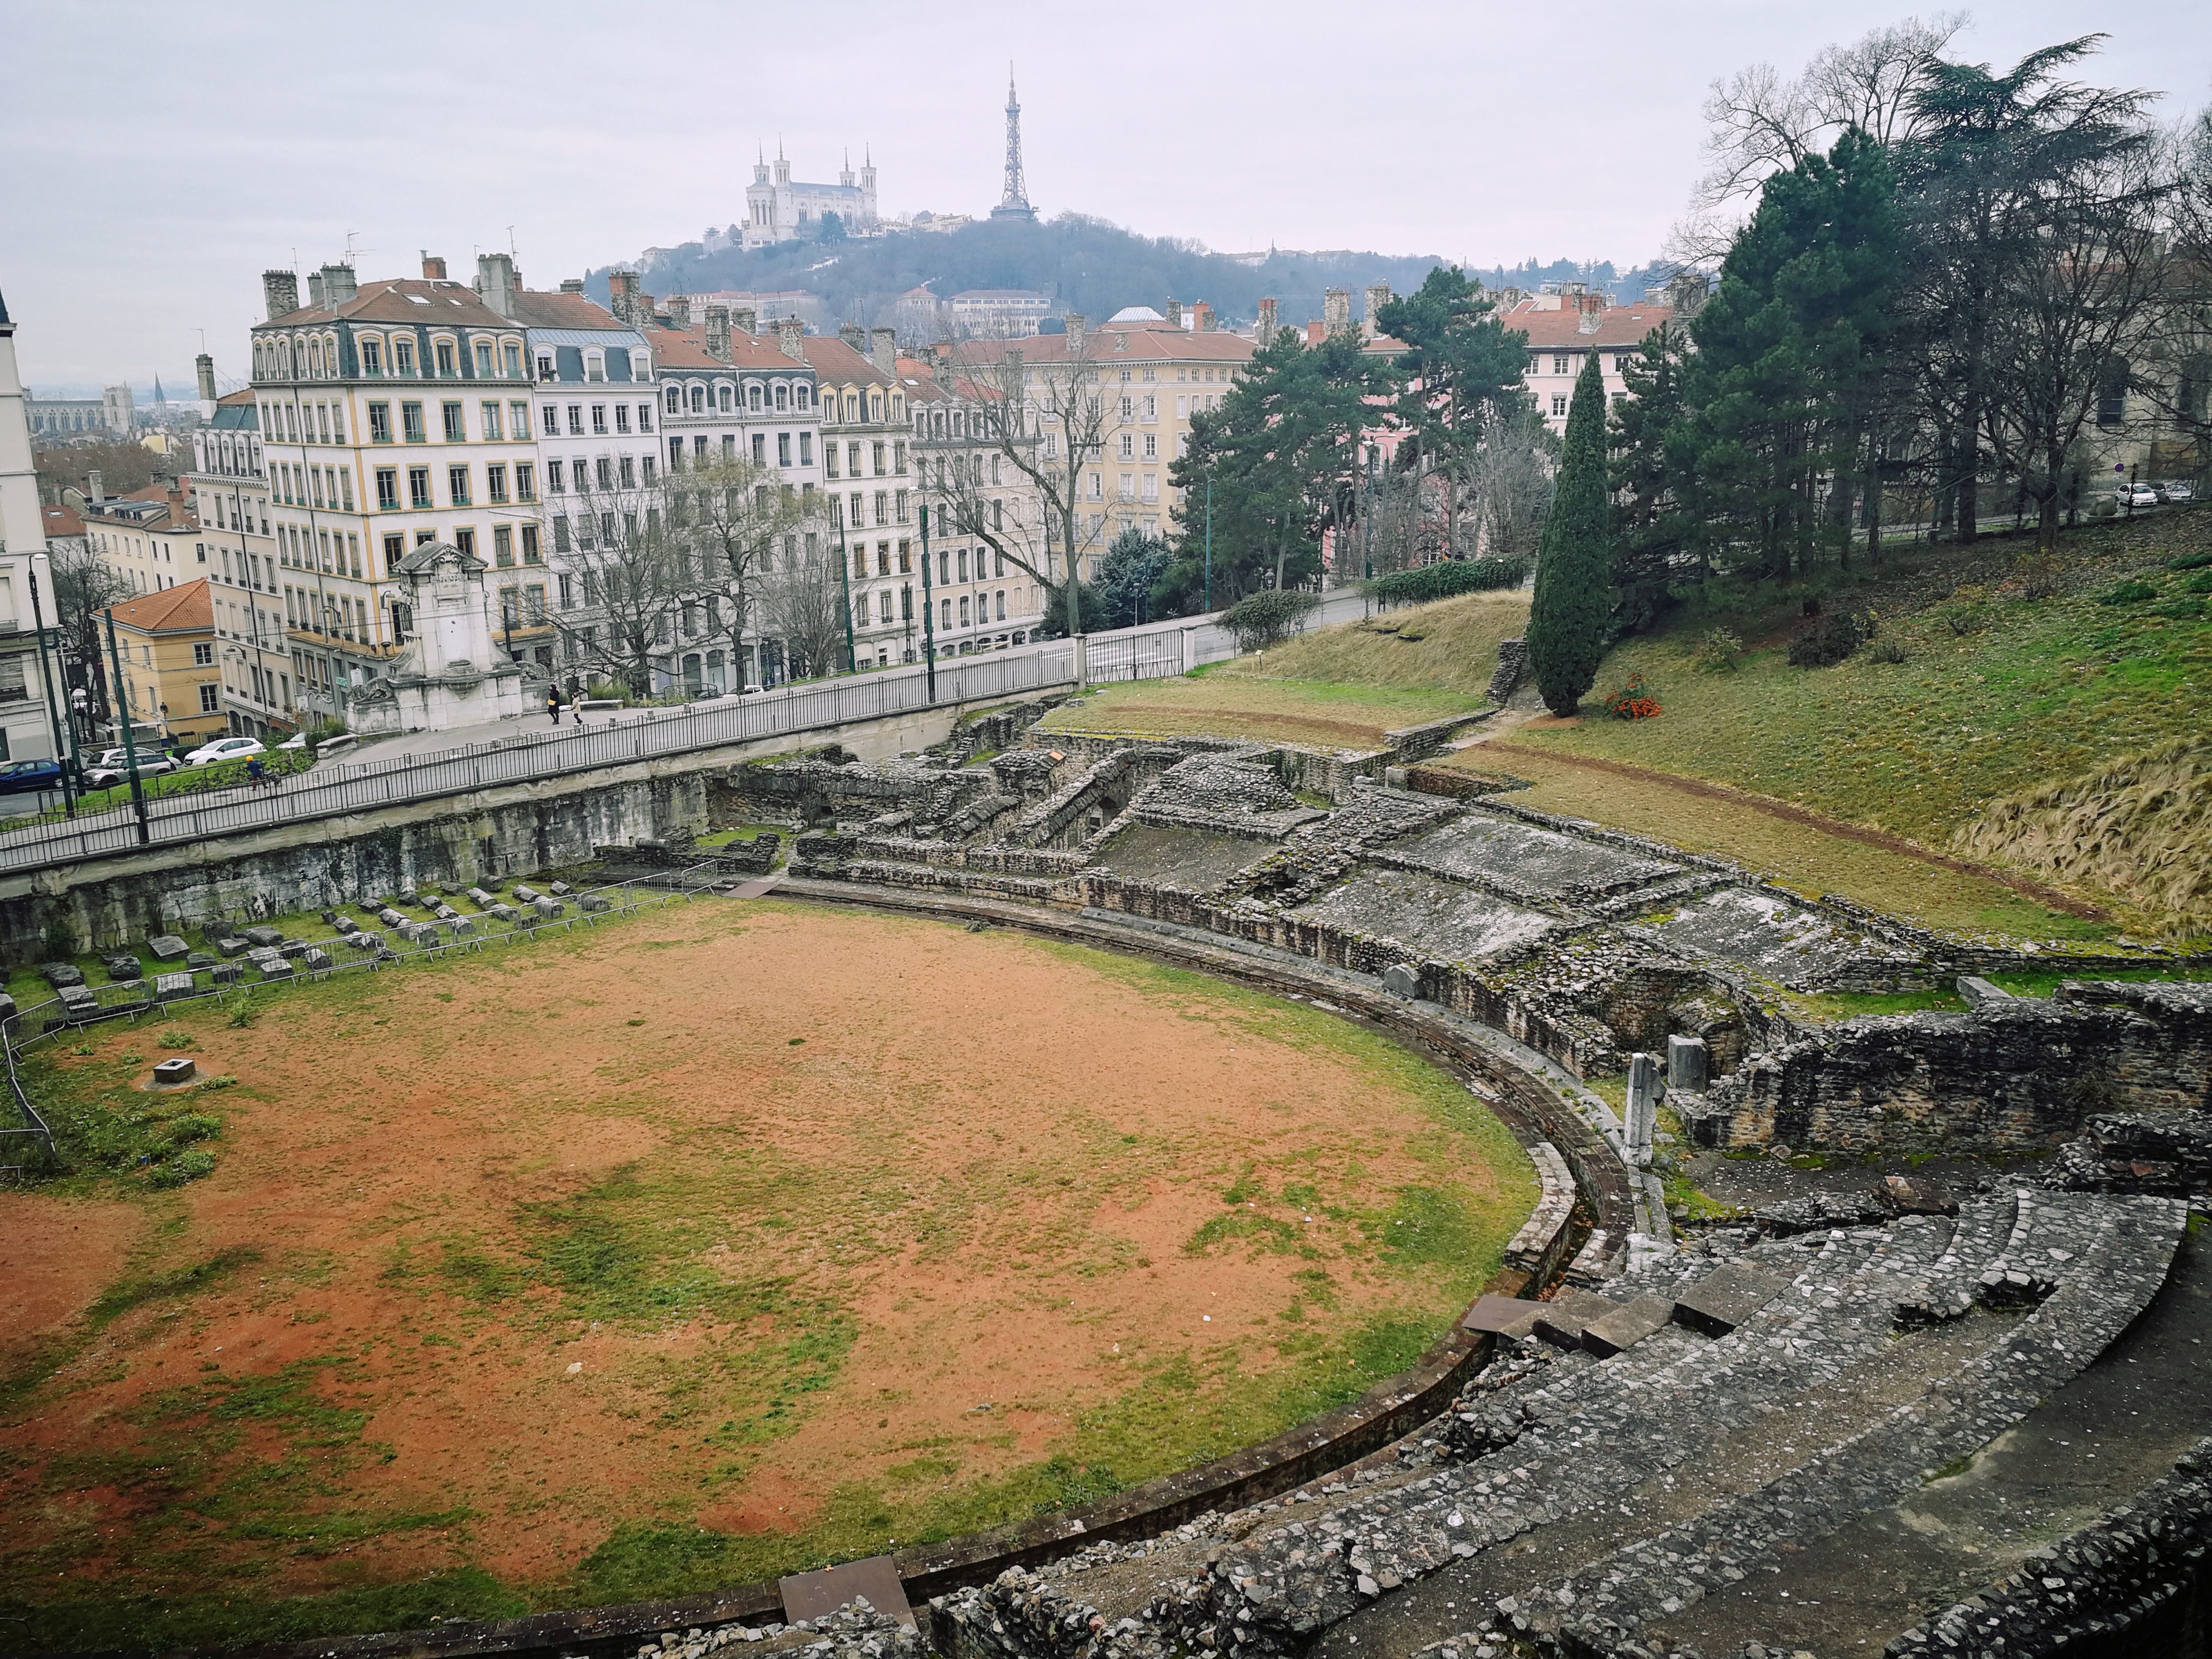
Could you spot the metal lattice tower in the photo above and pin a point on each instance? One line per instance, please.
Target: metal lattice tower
(1016, 203)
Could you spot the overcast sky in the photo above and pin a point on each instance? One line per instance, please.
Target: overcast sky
(156, 157)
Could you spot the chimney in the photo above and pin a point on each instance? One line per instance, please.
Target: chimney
(315, 288)
(745, 319)
(1266, 328)
(339, 284)
(1202, 317)
(572, 285)
(280, 292)
(93, 482)
(718, 333)
(1379, 296)
(1592, 306)
(434, 269)
(853, 336)
(1687, 292)
(789, 332)
(1175, 313)
(1336, 311)
(679, 310)
(1076, 322)
(622, 297)
(204, 369)
(883, 350)
(495, 282)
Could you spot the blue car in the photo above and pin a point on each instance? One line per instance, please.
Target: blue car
(27, 777)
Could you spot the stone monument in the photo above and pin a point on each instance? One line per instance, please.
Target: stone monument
(450, 671)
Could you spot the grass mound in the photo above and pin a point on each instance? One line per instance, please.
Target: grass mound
(1448, 646)
(2139, 829)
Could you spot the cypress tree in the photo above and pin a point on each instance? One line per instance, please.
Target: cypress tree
(1566, 621)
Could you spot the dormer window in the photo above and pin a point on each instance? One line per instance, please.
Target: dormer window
(725, 399)
(448, 360)
(484, 359)
(753, 398)
(546, 371)
(595, 365)
(675, 401)
(783, 397)
(372, 357)
(640, 366)
(802, 395)
(402, 357)
(514, 360)
(698, 399)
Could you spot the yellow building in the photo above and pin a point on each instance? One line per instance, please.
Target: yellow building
(172, 676)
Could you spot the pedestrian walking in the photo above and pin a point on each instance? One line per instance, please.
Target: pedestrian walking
(256, 774)
(553, 704)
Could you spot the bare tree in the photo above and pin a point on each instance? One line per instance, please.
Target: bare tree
(803, 605)
(1045, 423)
(735, 516)
(635, 571)
(84, 585)
(1509, 485)
(1758, 124)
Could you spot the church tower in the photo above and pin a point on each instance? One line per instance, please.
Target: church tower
(1015, 204)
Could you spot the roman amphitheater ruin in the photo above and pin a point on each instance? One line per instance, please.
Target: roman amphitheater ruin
(1935, 1382)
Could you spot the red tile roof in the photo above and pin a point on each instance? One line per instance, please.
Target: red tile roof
(1143, 345)
(181, 609)
(64, 521)
(402, 300)
(1561, 330)
(686, 347)
(535, 310)
(837, 362)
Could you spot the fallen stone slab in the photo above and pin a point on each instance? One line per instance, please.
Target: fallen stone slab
(1502, 1316)
(231, 945)
(592, 903)
(293, 949)
(167, 987)
(527, 895)
(167, 947)
(199, 960)
(1909, 1195)
(390, 917)
(480, 898)
(268, 936)
(226, 973)
(1626, 1326)
(276, 968)
(444, 913)
(347, 925)
(463, 927)
(315, 960)
(506, 912)
(547, 907)
(1721, 1300)
(1570, 1313)
(63, 974)
(561, 889)
(122, 968)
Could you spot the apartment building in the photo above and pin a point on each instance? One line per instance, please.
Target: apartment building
(983, 603)
(1565, 327)
(150, 538)
(272, 672)
(170, 679)
(390, 414)
(27, 715)
(868, 473)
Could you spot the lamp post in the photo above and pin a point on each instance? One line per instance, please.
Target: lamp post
(1209, 542)
(928, 614)
(130, 743)
(845, 581)
(39, 562)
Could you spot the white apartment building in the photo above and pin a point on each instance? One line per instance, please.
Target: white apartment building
(27, 731)
(983, 603)
(273, 672)
(1563, 327)
(391, 414)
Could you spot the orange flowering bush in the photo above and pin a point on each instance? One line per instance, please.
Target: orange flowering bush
(1633, 701)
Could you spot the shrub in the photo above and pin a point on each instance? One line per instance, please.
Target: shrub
(176, 1037)
(1716, 650)
(2200, 583)
(1887, 650)
(1829, 639)
(184, 1129)
(2189, 561)
(1633, 701)
(1962, 617)
(2128, 594)
(1268, 618)
(60, 942)
(185, 1166)
(1444, 578)
(244, 1014)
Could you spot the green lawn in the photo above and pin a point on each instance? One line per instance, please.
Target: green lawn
(1213, 703)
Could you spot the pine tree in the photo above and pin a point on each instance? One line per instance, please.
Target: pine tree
(1567, 621)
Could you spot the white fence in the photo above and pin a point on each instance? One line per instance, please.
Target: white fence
(1153, 651)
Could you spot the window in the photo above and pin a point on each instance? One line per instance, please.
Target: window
(203, 654)
(410, 423)
(210, 694)
(1558, 406)
(445, 350)
(806, 449)
(883, 502)
(457, 428)
(514, 353)
(1129, 447)
(1152, 446)
(575, 420)
(380, 423)
(607, 473)
(621, 417)
(724, 400)
(387, 490)
(556, 478)
(964, 610)
(628, 469)
(418, 487)
(456, 485)
(1560, 363)
(561, 535)
(598, 420)
(646, 470)
(645, 418)
(502, 547)
(829, 461)
(395, 549)
(372, 357)
(525, 483)
(1002, 605)
(947, 613)
(530, 555)
(753, 397)
(484, 359)
(552, 424)
(495, 483)
(466, 541)
(595, 365)
(760, 449)
(674, 401)
(782, 447)
(491, 418)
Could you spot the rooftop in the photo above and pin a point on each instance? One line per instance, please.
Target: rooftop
(184, 608)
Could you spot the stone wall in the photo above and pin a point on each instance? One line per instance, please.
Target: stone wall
(333, 861)
(2014, 1075)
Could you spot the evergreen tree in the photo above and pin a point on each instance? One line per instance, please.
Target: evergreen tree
(1573, 597)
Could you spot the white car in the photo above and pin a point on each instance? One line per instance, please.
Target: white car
(296, 741)
(2177, 492)
(151, 763)
(225, 749)
(2136, 495)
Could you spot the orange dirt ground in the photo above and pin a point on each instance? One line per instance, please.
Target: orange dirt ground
(966, 1167)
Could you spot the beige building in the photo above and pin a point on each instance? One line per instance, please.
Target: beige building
(270, 679)
(151, 538)
(1151, 378)
(1564, 327)
(390, 414)
(171, 676)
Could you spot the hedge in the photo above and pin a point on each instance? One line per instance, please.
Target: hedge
(1444, 578)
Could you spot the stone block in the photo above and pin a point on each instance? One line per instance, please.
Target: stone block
(527, 895)
(292, 949)
(463, 927)
(1977, 992)
(167, 987)
(123, 967)
(347, 925)
(592, 903)
(232, 945)
(1626, 1326)
(547, 907)
(480, 898)
(76, 998)
(561, 889)
(364, 941)
(198, 961)
(6, 1008)
(1402, 979)
(1723, 1300)
(171, 1072)
(1644, 1089)
(1503, 1315)
(167, 947)
(268, 936)
(390, 917)
(63, 974)
(274, 968)
(1909, 1195)
(315, 960)
(226, 973)
(1687, 1060)
(505, 912)
(330, 918)
(1568, 1314)
(444, 913)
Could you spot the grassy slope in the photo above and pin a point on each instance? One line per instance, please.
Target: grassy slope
(1340, 686)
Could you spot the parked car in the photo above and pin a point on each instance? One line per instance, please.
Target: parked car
(295, 743)
(2140, 494)
(2174, 490)
(113, 767)
(28, 776)
(225, 749)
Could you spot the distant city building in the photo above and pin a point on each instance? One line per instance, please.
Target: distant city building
(771, 307)
(1005, 313)
(1563, 326)
(172, 679)
(778, 209)
(115, 405)
(66, 418)
(228, 487)
(983, 603)
(27, 730)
